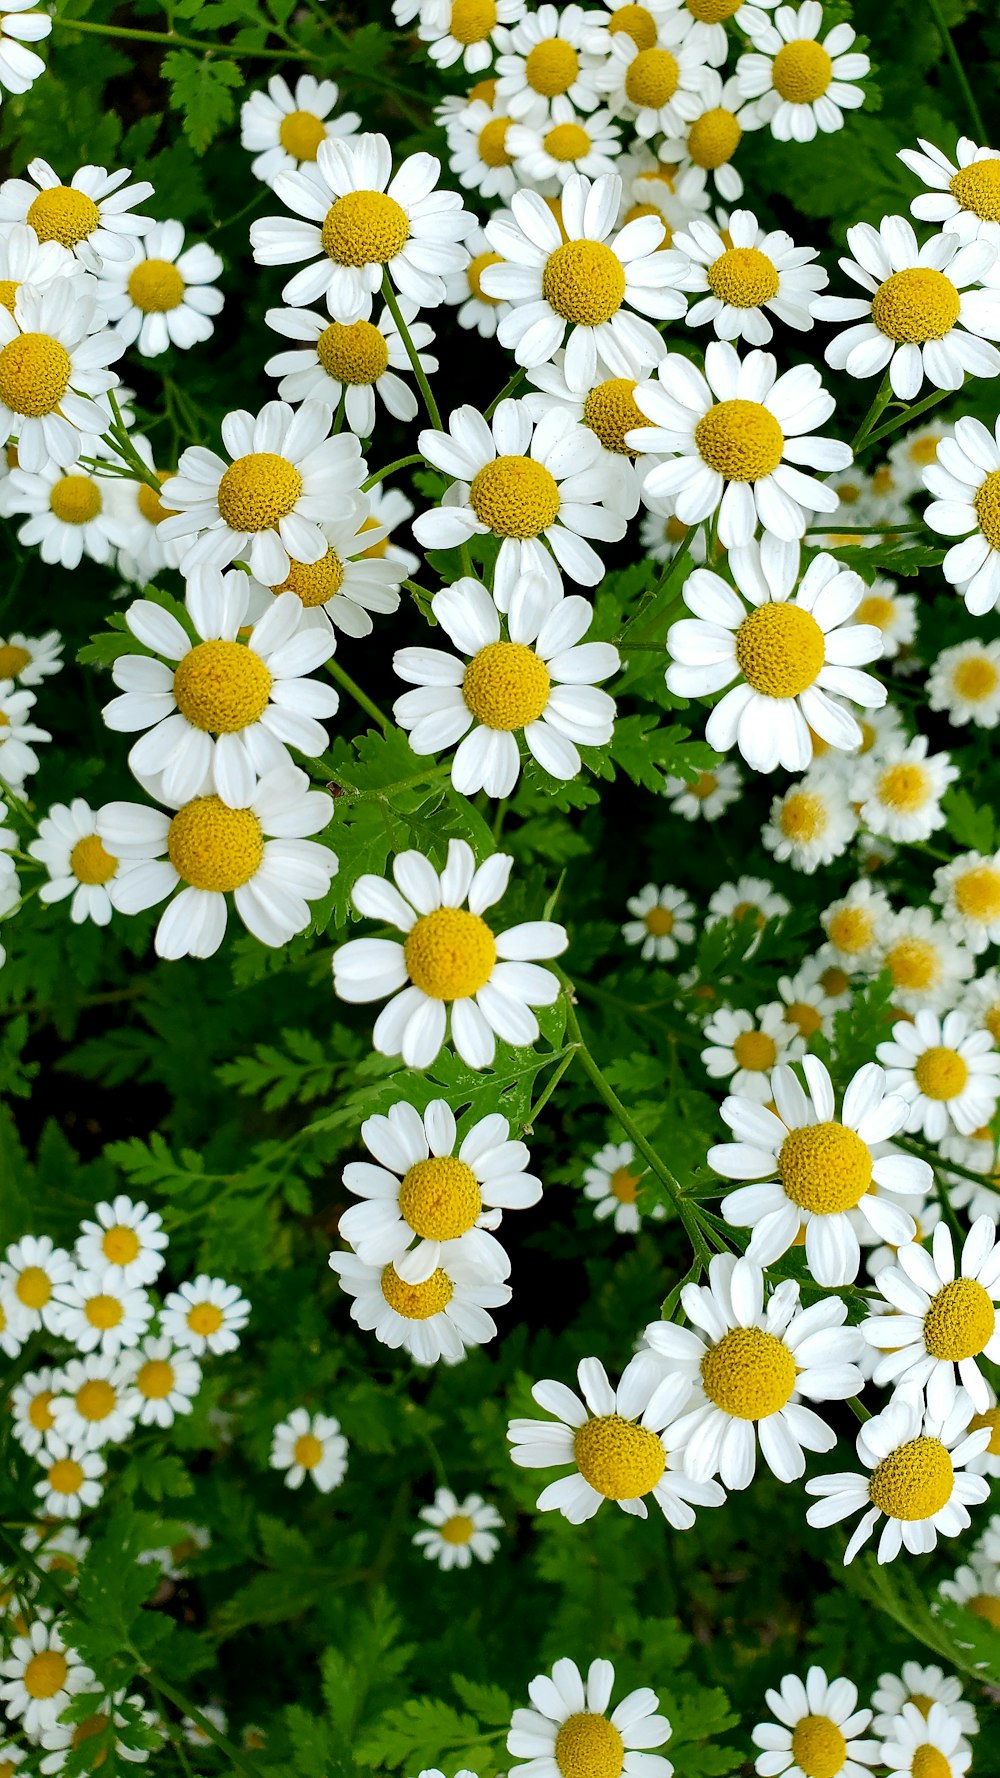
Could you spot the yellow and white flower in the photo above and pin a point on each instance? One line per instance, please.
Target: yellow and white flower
(661, 921)
(93, 216)
(916, 1743)
(19, 66)
(968, 890)
(92, 1406)
(911, 453)
(70, 848)
(547, 153)
(18, 758)
(947, 1073)
(658, 89)
(927, 966)
(976, 1584)
(745, 276)
(965, 683)
(205, 1315)
(464, 289)
(921, 1686)
(810, 1004)
(353, 363)
(709, 141)
(978, 1153)
(24, 259)
(748, 895)
(193, 1732)
(55, 349)
(854, 927)
(436, 1320)
(675, 193)
(468, 32)
(73, 1481)
(893, 613)
(981, 1003)
(310, 1445)
(33, 1270)
(965, 482)
(40, 1676)
(31, 1407)
(284, 127)
(360, 573)
(96, 1310)
(68, 513)
(551, 53)
(458, 1530)
(126, 1235)
(964, 194)
(942, 1321)
(819, 1729)
(164, 294)
(799, 82)
(612, 1182)
(56, 1547)
(481, 160)
(607, 410)
(900, 793)
(569, 1731)
(812, 822)
(707, 796)
(163, 1380)
(30, 659)
(112, 1711)
(142, 552)
(744, 1047)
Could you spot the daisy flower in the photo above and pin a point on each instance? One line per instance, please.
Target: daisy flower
(965, 482)
(93, 216)
(661, 923)
(286, 475)
(175, 1558)
(284, 127)
(576, 286)
(353, 362)
(59, 1548)
(436, 1319)
(854, 927)
(92, 1407)
(811, 823)
(799, 82)
(33, 1270)
(926, 965)
(918, 314)
(310, 1445)
(911, 453)
(70, 513)
(40, 1676)
(809, 1004)
(73, 1481)
(658, 89)
(916, 1743)
(538, 682)
(61, 1738)
(467, 31)
(893, 613)
(943, 1321)
(922, 1687)
(24, 259)
(965, 683)
(568, 1730)
(607, 410)
(968, 890)
(464, 290)
(674, 193)
(54, 354)
(18, 758)
(661, 532)
(427, 1189)
(138, 509)
(976, 1585)
(979, 1153)
(31, 1407)
(355, 222)
(748, 895)
(707, 796)
(751, 1362)
(900, 793)
(96, 1310)
(70, 848)
(30, 659)
(710, 139)
(458, 1530)
(205, 1315)
(523, 483)
(220, 711)
(946, 1072)
(126, 1235)
(750, 273)
(551, 53)
(12, 1332)
(481, 160)
(163, 294)
(744, 1047)
(612, 1183)
(964, 194)
(359, 574)
(733, 439)
(451, 959)
(163, 1381)
(619, 1442)
(819, 1729)
(981, 1003)
(258, 852)
(548, 153)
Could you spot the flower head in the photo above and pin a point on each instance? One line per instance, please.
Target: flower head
(568, 1730)
(457, 1531)
(819, 1730)
(310, 1445)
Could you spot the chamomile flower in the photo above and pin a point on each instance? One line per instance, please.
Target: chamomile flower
(538, 682)
(819, 1729)
(676, 194)
(220, 711)
(138, 509)
(578, 286)
(661, 922)
(744, 1047)
(946, 1072)
(912, 452)
(547, 153)
(569, 1730)
(968, 890)
(710, 139)
(18, 758)
(926, 965)
(284, 127)
(480, 159)
(458, 1530)
(527, 484)
(73, 1481)
(922, 1687)
(33, 1270)
(354, 362)
(427, 1189)
(919, 314)
(40, 1675)
(126, 1235)
(59, 1548)
(31, 1407)
(854, 926)
(112, 1711)
(917, 1742)
(451, 962)
(799, 82)
(964, 194)
(468, 32)
(55, 350)
(162, 1380)
(359, 574)
(96, 1310)
(894, 615)
(70, 848)
(310, 1445)
(12, 1331)
(748, 895)
(981, 1003)
(944, 1320)
(92, 1406)
(205, 1315)
(286, 476)
(355, 221)
(977, 1152)
(24, 259)
(30, 659)
(964, 682)
(607, 410)
(69, 513)
(743, 278)
(435, 1320)
(93, 216)
(258, 852)
(706, 796)
(900, 793)
(464, 290)
(612, 1182)
(164, 294)
(659, 88)
(812, 822)
(965, 482)
(976, 1585)
(551, 53)
(732, 440)
(809, 1004)
(20, 67)
(618, 1441)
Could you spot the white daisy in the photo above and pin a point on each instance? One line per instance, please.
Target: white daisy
(464, 290)
(481, 160)
(205, 1315)
(355, 222)
(33, 1270)
(284, 127)
(976, 1585)
(964, 195)
(661, 532)
(612, 1182)
(287, 475)
(893, 613)
(193, 1732)
(674, 193)
(926, 965)
(981, 1003)
(59, 1548)
(163, 1380)
(809, 1003)
(96, 1310)
(73, 1481)
(309, 1445)
(467, 31)
(619, 1442)
(547, 153)
(70, 513)
(661, 923)
(551, 53)
(709, 140)
(965, 481)
(437, 1319)
(799, 82)
(113, 1711)
(965, 682)
(18, 758)
(911, 453)
(30, 659)
(258, 852)
(607, 410)
(40, 1676)
(568, 1729)
(360, 573)
(748, 895)
(968, 890)
(947, 1073)
(943, 1322)
(142, 553)
(812, 822)
(977, 1152)
(900, 793)
(24, 259)
(707, 796)
(744, 1047)
(922, 1687)
(658, 89)
(458, 1530)
(163, 294)
(92, 1406)
(31, 1407)
(451, 959)
(126, 1235)
(352, 362)
(750, 273)
(854, 927)
(916, 1743)
(54, 354)
(69, 847)
(19, 66)
(93, 216)
(819, 1729)
(538, 682)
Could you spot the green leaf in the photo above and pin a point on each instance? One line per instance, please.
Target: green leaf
(204, 92)
(972, 827)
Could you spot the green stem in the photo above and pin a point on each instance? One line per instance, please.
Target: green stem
(508, 389)
(174, 41)
(412, 354)
(978, 126)
(909, 413)
(234, 1754)
(553, 1081)
(678, 562)
(858, 1408)
(391, 468)
(878, 407)
(353, 690)
(887, 530)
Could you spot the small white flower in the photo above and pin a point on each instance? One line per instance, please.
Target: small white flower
(551, 53)
(800, 83)
(854, 926)
(744, 1047)
(612, 1182)
(458, 1530)
(964, 193)
(893, 613)
(193, 1732)
(977, 1583)
(108, 1712)
(819, 1728)
(68, 513)
(138, 509)
(33, 1270)
(710, 139)
(569, 1729)
(353, 363)
(946, 1073)
(812, 822)
(284, 127)
(707, 796)
(360, 573)
(748, 895)
(205, 1315)
(30, 659)
(943, 1322)
(436, 1320)
(809, 1000)
(31, 1407)
(466, 32)
(96, 1310)
(914, 1738)
(744, 277)
(607, 410)
(547, 153)
(40, 1676)
(93, 216)
(978, 1152)
(981, 1003)
(927, 966)
(662, 533)
(965, 682)
(965, 482)
(658, 89)
(70, 848)
(163, 294)
(900, 793)
(310, 1445)
(91, 1407)
(481, 161)
(126, 1235)
(162, 1380)
(73, 1481)
(19, 66)
(55, 349)
(968, 890)
(661, 923)
(922, 1686)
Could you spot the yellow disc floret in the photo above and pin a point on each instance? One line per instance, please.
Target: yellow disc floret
(977, 893)
(755, 1051)
(472, 20)
(986, 502)
(913, 964)
(120, 1244)
(90, 863)
(620, 1460)
(741, 440)
(356, 353)
(635, 22)
(780, 649)
(584, 282)
(818, 1747)
(915, 305)
(750, 1374)
(150, 504)
(624, 1185)
(651, 79)
(95, 1399)
(155, 1379)
(155, 286)
(506, 685)
(566, 142)
(802, 70)
(104, 1312)
(974, 679)
(214, 847)
(300, 134)
(63, 214)
(46, 1673)
(75, 499)
(875, 610)
(551, 67)
(9, 288)
(960, 1321)
(440, 1198)
(13, 660)
(365, 228)
(914, 1482)
(714, 138)
(66, 1476)
(804, 816)
(744, 277)
(314, 582)
(40, 1412)
(930, 1762)
(713, 12)
(824, 1168)
(589, 1746)
(34, 374)
(221, 687)
(659, 922)
(986, 1606)
(492, 144)
(416, 1302)
(806, 1019)
(450, 954)
(257, 491)
(515, 497)
(204, 1319)
(941, 1073)
(609, 411)
(458, 1529)
(977, 188)
(308, 1450)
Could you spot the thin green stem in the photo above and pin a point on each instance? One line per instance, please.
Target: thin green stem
(391, 468)
(673, 569)
(858, 1408)
(508, 389)
(411, 352)
(978, 126)
(353, 690)
(909, 413)
(173, 40)
(878, 407)
(887, 530)
(550, 1086)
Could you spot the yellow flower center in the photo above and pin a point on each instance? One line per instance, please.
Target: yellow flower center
(930, 1762)
(714, 138)
(450, 954)
(34, 374)
(47, 1672)
(941, 1073)
(986, 1606)
(308, 1451)
(589, 1746)
(515, 497)
(155, 286)
(905, 787)
(804, 1017)
(472, 20)
(659, 922)
(913, 963)
(584, 282)
(833, 980)
(780, 649)
(95, 1399)
(300, 134)
(458, 1529)
(90, 863)
(825, 1168)
(417, 1302)
(818, 1747)
(851, 929)
(66, 1476)
(485, 90)
(977, 188)
(802, 71)
(803, 817)
(744, 277)
(9, 288)
(492, 145)
(875, 610)
(104, 1311)
(13, 660)
(624, 1185)
(120, 1244)
(63, 214)
(365, 228)
(440, 1198)
(609, 411)
(213, 847)
(913, 1482)
(150, 504)
(75, 499)
(755, 1051)
(40, 1412)
(85, 1731)
(712, 12)
(651, 79)
(750, 1374)
(355, 353)
(741, 440)
(258, 490)
(986, 502)
(33, 1287)
(960, 1321)
(506, 685)
(915, 305)
(155, 1379)
(314, 582)
(567, 142)
(551, 67)
(973, 679)
(620, 1460)
(221, 687)
(977, 893)
(205, 1319)
(474, 273)
(636, 22)
(991, 1418)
